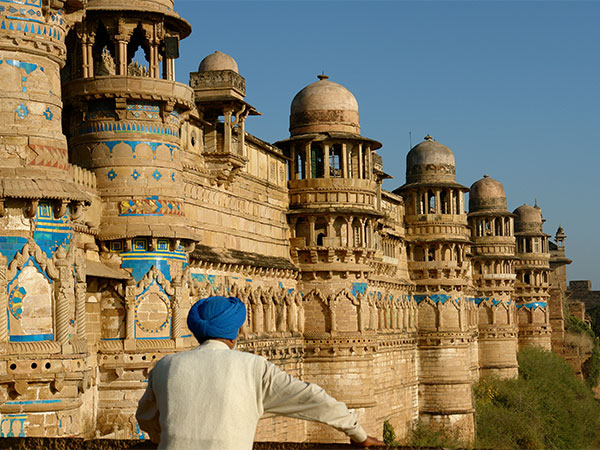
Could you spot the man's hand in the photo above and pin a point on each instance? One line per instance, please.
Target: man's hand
(369, 442)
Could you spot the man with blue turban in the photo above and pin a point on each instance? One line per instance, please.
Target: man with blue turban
(211, 398)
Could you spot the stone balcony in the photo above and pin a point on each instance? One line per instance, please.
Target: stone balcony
(142, 88)
(333, 194)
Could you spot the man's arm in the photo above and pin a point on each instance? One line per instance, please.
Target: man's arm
(288, 396)
(147, 413)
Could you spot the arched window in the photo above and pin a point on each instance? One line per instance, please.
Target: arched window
(335, 161)
(316, 160)
(431, 202)
(320, 230)
(103, 53)
(138, 53)
(445, 204)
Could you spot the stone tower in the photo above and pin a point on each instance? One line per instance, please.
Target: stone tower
(124, 122)
(558, 288)
(45, 383)
(532, 283)
(438, 241)
(493, 261)
(335, 202)
(219, 91)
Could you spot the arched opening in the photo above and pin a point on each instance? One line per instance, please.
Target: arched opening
(418, 253)
(430, 202)
(498, 229)
(316, 160)
(335, 161)
(103, 53)
(138, 54)
(339, 227)
(303, 230)
(445, 204)
(320, 230)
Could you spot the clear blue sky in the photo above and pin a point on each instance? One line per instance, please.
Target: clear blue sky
(513, 88)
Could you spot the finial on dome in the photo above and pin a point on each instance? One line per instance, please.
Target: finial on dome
(535, 204)
(322, 76)
(486, 176)
(428, 138)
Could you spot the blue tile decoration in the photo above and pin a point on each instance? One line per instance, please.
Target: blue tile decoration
(135, 175)
(51, 233)
(16, 425)
(199, 277)
(112, 174)
(533, 305)
(22, 111)
(15, 302)
(10, 245)
(32, 338)
(157, 175)
(359, 288)
(150, 206)
(436, 298)
(173, 176)
(48, 114)
(140, 260)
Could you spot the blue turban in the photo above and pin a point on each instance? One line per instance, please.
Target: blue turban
(216, 317)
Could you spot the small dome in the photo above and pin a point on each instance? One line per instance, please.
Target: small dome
(218, 61)
(529, 218)
(324, 106)
(487, 193)
(430, 161)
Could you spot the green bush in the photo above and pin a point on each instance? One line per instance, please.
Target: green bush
(423, 435)
(546, 407)
(389, 435)
(594, 314)
(591, 368)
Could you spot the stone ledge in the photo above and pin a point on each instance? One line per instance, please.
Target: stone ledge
(109, 444)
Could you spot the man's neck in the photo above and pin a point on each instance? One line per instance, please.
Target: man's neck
(229, 342)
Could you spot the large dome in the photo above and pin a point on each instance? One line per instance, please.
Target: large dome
(487, 194)
(529, 218)
(324, 106)
(430, 161)
(218, 61)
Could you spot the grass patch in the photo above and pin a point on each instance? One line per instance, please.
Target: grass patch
(546, 407)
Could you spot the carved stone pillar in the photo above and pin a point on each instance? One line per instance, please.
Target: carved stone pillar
(345, 160)
(80, 314)
(3, 300)
(361, 163)
(298, 301)
(64, 294)
(227, 136)
(130, 310)
(311, 232)
(307, 162)
(326, 167)
(177, 302)
(122, 41)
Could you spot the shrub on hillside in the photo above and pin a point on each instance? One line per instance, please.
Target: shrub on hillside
(546, 407)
